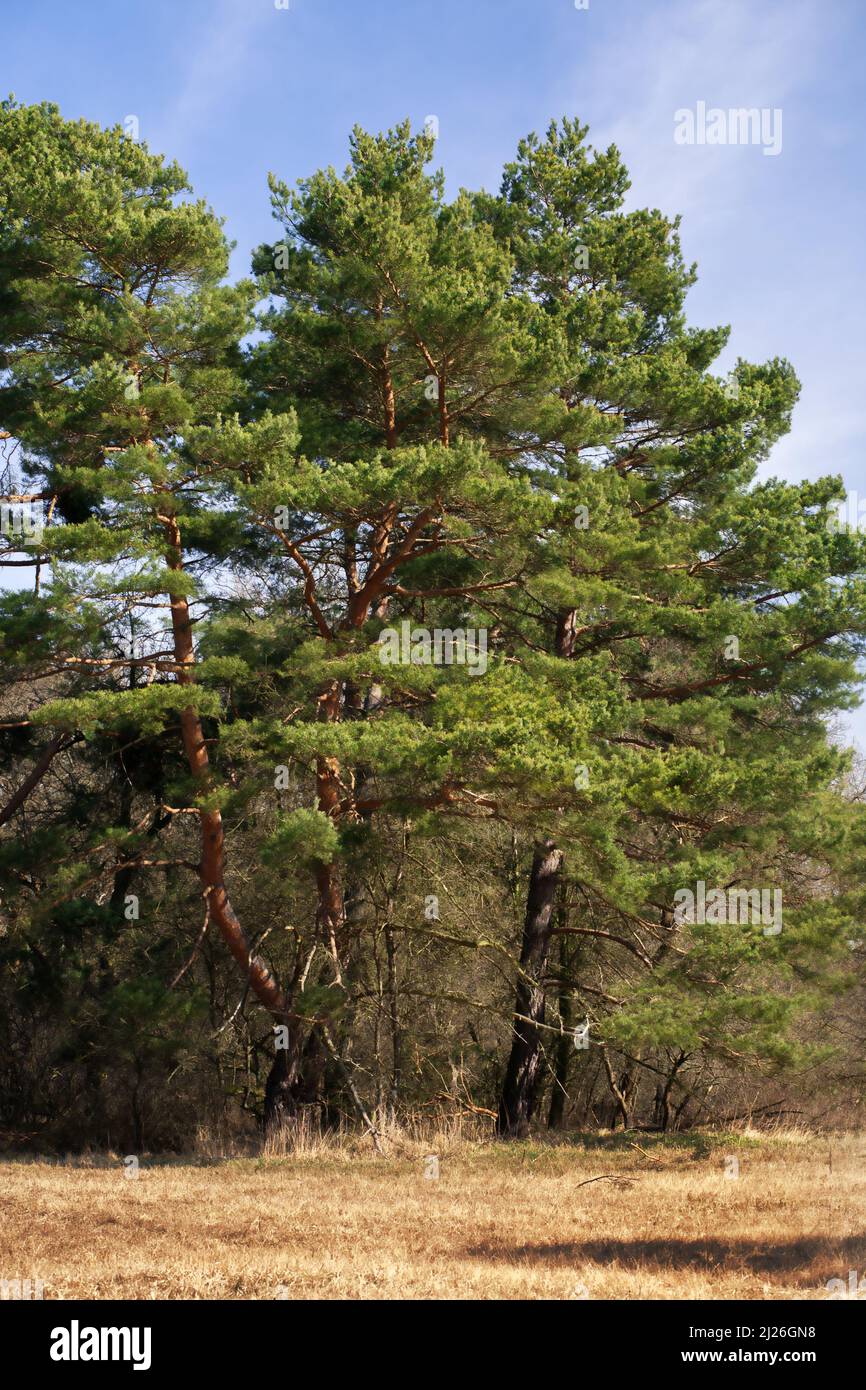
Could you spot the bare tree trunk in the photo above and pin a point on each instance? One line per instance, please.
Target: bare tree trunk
(444, 418)
(620, 1090)
(57, 745)
(394, 1019)
(518, 1091)
(662, 1115)
(565, 1043)
(388, 402)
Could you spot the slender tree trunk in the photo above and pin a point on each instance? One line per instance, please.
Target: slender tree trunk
(329, 795)
(330, 909)
(444, 418)
(621, 1091)
(389, 404)
(662, 1116)
(394, 1018)
(135, 1108)
(212, 862)
(342, 913)
(515, 1105)
(565, 1044)
(57, 745)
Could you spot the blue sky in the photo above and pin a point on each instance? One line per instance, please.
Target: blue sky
(236, 88)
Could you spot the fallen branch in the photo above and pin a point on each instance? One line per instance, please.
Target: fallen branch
(608, 1177)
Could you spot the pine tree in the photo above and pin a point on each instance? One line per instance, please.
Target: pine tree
(119, 341)
(729, 610)
(467, 543)
(394, 327)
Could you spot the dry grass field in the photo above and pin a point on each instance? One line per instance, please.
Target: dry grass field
(665, 1219)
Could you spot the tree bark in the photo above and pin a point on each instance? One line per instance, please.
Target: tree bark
(444, 418)
(518, 1091)
(57, 745)
(565, 640)
(565, 1043)
(621, 1091)
(394, 1020)
(212, 862)
(389, 403)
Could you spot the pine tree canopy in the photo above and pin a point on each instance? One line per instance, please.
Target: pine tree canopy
(439, 538)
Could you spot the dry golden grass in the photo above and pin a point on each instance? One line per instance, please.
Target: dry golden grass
(503, 1222)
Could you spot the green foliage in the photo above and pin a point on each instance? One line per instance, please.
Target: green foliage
(302, 837)
(486, 413)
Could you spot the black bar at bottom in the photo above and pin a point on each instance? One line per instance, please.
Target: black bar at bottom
(84, 1339)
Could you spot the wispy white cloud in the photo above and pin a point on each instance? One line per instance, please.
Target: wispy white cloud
(218, 58)
(729, 54)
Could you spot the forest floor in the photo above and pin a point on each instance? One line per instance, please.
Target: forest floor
(617, 1217)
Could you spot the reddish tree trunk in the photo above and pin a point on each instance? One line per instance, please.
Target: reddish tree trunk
(212, 862)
